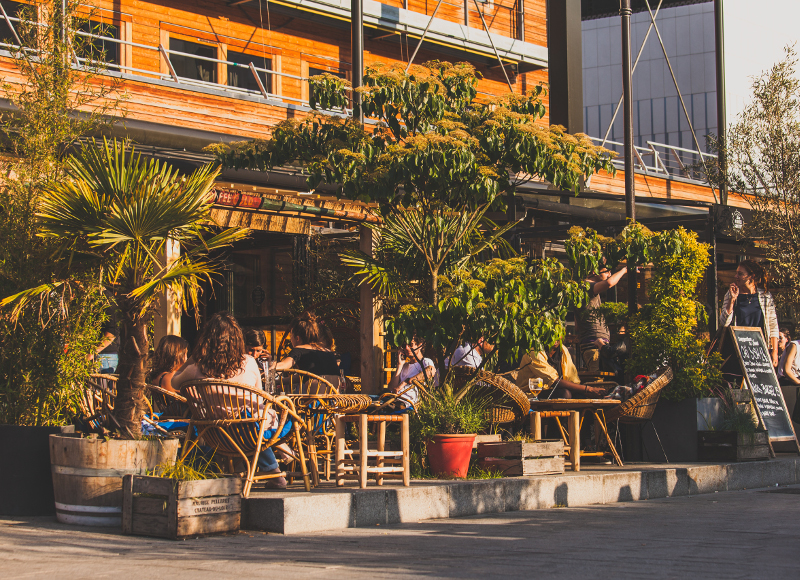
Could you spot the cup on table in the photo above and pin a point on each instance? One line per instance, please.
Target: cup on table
(535, 386)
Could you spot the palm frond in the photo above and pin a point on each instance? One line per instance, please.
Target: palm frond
(22, 300)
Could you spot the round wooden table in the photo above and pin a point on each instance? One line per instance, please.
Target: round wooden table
(574, 410)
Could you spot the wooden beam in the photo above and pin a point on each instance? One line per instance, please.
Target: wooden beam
(371, 326)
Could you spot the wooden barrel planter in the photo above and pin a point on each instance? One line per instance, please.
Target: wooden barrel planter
(87, 475)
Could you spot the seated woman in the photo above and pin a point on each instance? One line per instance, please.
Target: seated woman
(220, 354)
(311, 349)
(169, 356)
(255, 344)
(409, 370)
(557, 372)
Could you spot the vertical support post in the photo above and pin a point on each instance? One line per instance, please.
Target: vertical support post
(167, 319)
(565, 56)
(536, 421)
(575, 440)
(719, 37)
(363, 451)
(627, 106)
(521, 20)
(711, 275)
(338, 425)
(405, 447)
(466, 12)
(357, 49)
(371, 326)
(381, 449)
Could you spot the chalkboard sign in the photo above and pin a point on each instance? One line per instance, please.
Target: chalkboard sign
(760, 377)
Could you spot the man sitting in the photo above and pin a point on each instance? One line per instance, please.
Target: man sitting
(467, 355)
(557, 372)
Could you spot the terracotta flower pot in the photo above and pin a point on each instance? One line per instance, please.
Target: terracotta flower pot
(449, 454)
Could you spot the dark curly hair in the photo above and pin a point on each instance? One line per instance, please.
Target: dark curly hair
(170, 354)
(219, 353)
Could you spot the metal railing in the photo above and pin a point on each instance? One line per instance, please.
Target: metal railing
(165, 53)
(663, 160)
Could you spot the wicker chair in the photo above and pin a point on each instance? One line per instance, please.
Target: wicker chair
(639, 409)
(507, 401)
(171, 405)
(232, 418)
(97, 400)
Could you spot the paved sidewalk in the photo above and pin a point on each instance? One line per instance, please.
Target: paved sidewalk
(743, 534)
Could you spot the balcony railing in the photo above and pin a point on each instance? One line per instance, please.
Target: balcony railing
(663, 160)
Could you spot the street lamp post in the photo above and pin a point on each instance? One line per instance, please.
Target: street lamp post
(627, 113)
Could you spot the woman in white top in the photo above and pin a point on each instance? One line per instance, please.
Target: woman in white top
(748, 303)
(408, 371)
(220, 354)
(789, 365)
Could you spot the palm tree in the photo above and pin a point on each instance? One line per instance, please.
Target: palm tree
(120, 211)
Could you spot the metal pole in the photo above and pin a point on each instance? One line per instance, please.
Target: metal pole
(357, 49)
(521, 20)
(627, 113)
(721, 120)
(711, 277)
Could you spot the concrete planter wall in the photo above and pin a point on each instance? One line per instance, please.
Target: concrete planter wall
(26, 486)
(677, 423)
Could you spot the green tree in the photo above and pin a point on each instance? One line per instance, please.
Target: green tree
(56, 101)
(763, 152)
(434, 148)
(120, 211)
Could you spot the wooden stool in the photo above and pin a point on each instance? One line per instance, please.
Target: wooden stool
(356, 464)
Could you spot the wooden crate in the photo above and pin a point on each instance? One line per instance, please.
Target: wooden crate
(732, 446)
(168, 508)
(518, 458)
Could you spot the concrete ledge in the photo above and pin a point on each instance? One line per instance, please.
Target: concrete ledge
(329, 508)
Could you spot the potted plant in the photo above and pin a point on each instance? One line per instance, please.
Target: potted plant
(181, 499)
(448, 422)
(738, 437)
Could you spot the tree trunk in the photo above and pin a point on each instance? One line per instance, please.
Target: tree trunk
(435, 287)
(129, 406)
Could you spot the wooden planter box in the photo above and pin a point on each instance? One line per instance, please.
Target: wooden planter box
(168, 508)
(732, 446)
(518, 458)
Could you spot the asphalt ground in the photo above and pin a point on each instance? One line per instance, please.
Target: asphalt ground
(740, 534)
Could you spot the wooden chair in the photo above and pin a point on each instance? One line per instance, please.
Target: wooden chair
(361, 463)
(172, 406)
(97, 400)
(507, 401)
(232, 418)
(639, 409)
(308, 391)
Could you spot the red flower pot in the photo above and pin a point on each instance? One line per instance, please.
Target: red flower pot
(449, 454)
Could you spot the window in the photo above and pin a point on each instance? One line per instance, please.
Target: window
(12, 9)
(193, 68)
(98, 49)
(243, 77)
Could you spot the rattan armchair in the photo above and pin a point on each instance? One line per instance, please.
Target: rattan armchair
(97, 400)
(232, 418)
(507, 402)
(639, 409)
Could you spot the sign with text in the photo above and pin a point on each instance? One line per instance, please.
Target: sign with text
(760, 377)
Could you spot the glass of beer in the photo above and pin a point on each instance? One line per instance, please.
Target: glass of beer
(535, 386)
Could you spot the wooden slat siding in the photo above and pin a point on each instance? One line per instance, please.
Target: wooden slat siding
(261, 221)
(658, 187)
(296, 42)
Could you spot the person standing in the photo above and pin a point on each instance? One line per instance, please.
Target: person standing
(749, 303)
(593, 333)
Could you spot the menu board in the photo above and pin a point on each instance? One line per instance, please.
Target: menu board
(760, 377)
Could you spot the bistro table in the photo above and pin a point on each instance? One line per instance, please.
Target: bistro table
(575, 410)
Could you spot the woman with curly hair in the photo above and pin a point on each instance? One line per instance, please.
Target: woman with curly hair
(220, 354)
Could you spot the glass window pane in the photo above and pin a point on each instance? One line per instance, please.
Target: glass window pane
(98, 49)
(12, 9)
(193, 68)
(243, 77)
